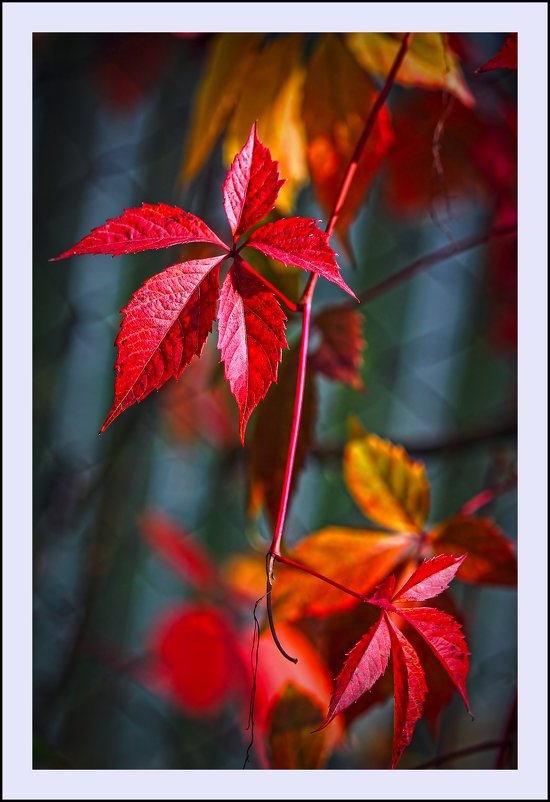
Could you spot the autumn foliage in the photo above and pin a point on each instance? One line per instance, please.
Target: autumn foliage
(347, 602)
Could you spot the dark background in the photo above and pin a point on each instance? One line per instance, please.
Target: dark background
(111, 114)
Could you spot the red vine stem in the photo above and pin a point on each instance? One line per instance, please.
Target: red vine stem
(300, 567)
(434, 258)
(305, 305)
(280, 295)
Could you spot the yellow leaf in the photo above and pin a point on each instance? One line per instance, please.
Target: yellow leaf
(389, 487)
(272, 95)
(429, 63)
(229, 63)
(338, 98)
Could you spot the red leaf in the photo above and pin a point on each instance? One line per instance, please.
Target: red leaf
(445, 638)
(491, 555)
(251, 337)
(431, 578)
(180, 549)
(300, 242)
(409, 690)
(366, 663)
(506, 58)
(151, 226)
(251, 185)
(339, 355)
(197, 659)
(165, 324)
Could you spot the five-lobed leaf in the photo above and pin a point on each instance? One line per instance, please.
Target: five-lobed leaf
(168, 319)
(367, 661)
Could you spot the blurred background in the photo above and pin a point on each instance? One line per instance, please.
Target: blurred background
(118, 606)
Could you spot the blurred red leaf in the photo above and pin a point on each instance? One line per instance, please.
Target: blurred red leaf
(183, 552)
(491, 555)
(197, 659)
(506, 58)
(340, 352)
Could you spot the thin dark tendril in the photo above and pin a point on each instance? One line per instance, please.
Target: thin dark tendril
(269, 568)
(254, 656)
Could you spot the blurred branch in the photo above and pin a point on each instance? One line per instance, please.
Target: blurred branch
(435, 258)
(458, 442)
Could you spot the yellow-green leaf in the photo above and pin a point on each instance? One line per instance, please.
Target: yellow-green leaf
(229, 62)
(389, 487)
(294, 744)
(272, 95)
(429, 63)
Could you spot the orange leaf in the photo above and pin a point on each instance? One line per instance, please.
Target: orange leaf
(388, 486)
(272, 95)
(430, 63)
(230, 60)
(338, 97)
(491, 555)
(355, 558)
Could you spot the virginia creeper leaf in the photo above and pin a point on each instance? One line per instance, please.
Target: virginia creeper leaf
(430, 62)
(491, 555)
(506, 58)
(142, 229)
(165, 324)
(365, 664)
(251, 185)
(445, 638)
(430, 579)
(230, 61)
(388, 486)
(409, 688)
(300, 242)
(338, 97)
(339, 355)
(272, 95)
(251, 328)
(268, 453)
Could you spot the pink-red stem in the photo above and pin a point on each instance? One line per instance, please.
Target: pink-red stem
(286, 561)
(305, 305)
